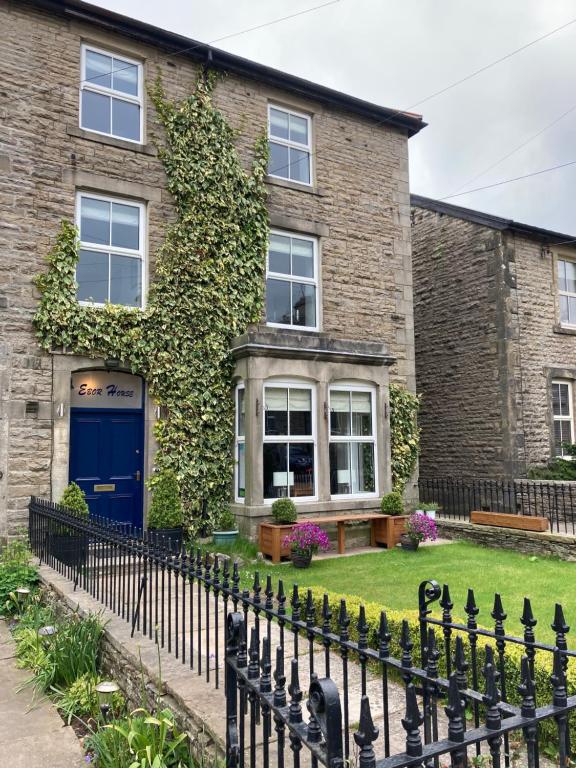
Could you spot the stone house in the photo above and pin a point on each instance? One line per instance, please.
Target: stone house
(77, 141)
(495, 328)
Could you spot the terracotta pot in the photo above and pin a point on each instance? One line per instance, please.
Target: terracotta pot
(407, 543)
(301, 560)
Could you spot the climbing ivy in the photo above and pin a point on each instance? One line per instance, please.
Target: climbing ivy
(208, 286)
(405, 435)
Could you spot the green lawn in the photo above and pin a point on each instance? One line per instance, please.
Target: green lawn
(392, 579)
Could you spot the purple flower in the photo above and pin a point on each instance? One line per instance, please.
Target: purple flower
(421, 527)
(307, 537)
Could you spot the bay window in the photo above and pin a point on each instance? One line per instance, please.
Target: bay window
(352, 441)
(289, 449)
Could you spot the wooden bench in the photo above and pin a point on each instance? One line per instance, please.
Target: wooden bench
(504, 520)
(384, 529)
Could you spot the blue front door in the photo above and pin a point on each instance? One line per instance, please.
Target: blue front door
(106, 460)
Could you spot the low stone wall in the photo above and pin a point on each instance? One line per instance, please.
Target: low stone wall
(528, 542)
(134, 664)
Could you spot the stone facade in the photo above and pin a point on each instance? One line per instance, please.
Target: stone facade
(488, 341)
(358, 207)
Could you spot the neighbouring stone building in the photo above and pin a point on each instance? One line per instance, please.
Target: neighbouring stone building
(495, 319)
(77, 139)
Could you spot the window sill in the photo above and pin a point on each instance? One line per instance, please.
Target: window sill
(565, 330)
(110, 141)
(286, 184)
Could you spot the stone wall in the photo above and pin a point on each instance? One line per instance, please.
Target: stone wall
(465, 371)
(359, 205)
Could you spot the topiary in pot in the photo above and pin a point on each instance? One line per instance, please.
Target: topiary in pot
(284, 511)
(165, 515)
(392, 504)
(226, 529)
(74, 498)
(68, 543)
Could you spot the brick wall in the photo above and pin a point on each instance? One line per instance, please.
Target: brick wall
(361, 198)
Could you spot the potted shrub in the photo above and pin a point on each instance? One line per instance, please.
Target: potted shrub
(226, 529)
(165, 516)
(418, 528)
(388, 530)
(304, 541)
(427, 508)
(273, 534)
(69, 545)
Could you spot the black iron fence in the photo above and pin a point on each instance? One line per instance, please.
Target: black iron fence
(380, 692)
(457, 498)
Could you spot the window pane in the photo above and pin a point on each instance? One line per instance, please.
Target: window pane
(564, 311)
(571, 277)
(339, 413)
(278, 162)
(279, 123)
(125, 280)
(361, 413)
(125, 119)
(276, 411)
(125, 77)
(561, 275)
(98, 69)
(241, 472)
(303, 304)
(125, 226)
(562, 434)
(301, 469)
(92, 276)
(278, 301)
(241, 412)
(571, 310)
(340, 476)
(298, 129)
(299, 165)
(560, 400)
(94, 221)
(362, 467)
(95, 111)
(300, 411)
(302, 257)
(279, 254)
(275, 462)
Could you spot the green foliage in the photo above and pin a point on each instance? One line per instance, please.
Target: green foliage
(15, 552)
(80, 700)
(557, 469)
(392, 504)
(15, 571)
(404, 435)
(427, 506)
(284, 511)
(207, 288)
(227, 521)
(166, 507)
(74, 498)
(142, 740)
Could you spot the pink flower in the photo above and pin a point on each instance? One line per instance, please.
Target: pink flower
(307, 537)
(421, 527)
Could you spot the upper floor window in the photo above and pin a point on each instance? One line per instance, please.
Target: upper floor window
(290, 142)
(352, 441)
(111, 259)
(292, 282)
(567, 291)
(562, 413)
(111, 95)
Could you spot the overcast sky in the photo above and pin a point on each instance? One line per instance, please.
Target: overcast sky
(397, 52)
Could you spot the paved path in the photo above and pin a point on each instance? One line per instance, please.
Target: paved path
(31, 734)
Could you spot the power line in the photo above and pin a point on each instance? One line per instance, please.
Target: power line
(182, 50)
(509, 181)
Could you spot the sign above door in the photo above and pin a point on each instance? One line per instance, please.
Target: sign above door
(105, 389)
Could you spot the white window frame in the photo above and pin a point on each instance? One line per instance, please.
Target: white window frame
(343, 387)
(240, 440)
(287, 439)
(88, 85)
(568, 294)
(569, 418)
(294, 144)
(139, 254)
(296, 278)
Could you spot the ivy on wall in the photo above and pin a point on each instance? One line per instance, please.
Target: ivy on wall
(404, 435)
(208, 286)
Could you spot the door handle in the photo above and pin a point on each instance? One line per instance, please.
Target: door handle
(138, 475)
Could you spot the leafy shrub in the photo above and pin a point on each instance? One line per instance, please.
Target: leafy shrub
(427, 506)
(80, 700)
(284, 511)
(227, 521)
(15, 552)
(74, 498)
(404, 435)
(392, 504)
(166, 507)
(15, 571)
(557, 469)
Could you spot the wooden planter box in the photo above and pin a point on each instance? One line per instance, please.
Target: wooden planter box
(389, 529)
(271, 537)
(503, 520)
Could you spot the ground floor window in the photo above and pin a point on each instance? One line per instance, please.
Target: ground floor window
(562, 413)
(352, 441)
